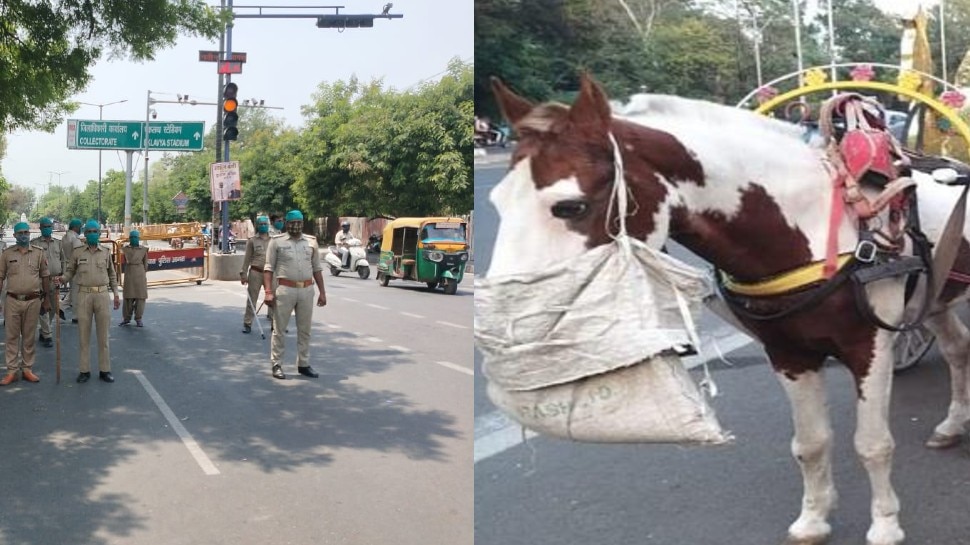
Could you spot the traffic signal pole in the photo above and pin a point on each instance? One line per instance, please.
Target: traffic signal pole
(226, 125)
(224, 236)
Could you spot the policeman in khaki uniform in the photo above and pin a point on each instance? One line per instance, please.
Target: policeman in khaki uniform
(135, 287)
(70, 242)
(252, 270)
(24, 267)
(91, 269)
(293, 261)
(55, 263)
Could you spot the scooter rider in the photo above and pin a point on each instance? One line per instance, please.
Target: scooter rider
(341, 241)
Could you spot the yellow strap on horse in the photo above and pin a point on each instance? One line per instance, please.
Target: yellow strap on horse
(786, 282)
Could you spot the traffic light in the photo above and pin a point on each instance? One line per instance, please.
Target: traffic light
(345, 21)
(230, 108)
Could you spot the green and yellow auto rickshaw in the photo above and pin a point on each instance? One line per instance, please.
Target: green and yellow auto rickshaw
(430, 250)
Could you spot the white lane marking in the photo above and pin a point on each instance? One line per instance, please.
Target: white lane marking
(411, 314)
(495, 432)
(373, 339)
(332, 326)
(372, 305)
(194, 449)
(399, 348)
(449, 324)
(349, 300)
(456, 367)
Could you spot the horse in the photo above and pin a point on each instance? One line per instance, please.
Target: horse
(750, 196)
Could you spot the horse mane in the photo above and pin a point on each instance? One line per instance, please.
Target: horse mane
(544, 117)
(654, 108)
(667, 110)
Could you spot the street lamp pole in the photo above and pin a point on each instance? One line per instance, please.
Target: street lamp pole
(101, 118)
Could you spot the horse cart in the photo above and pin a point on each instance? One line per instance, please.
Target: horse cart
(923, 114)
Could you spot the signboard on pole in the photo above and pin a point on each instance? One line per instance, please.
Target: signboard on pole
(180, 200)
(129, 135)
(225, 182)
(215, 56)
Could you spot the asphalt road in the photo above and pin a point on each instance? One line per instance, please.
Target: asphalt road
(545, 491)
(195, 443)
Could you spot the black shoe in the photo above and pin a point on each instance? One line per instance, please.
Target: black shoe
(307, 371)
(83, 377)
(61, 314)
(247, 328)
(48, 342)
(278, 372)
(106, 376)
(73, 320)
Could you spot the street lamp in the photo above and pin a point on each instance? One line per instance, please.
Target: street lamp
(100, 118)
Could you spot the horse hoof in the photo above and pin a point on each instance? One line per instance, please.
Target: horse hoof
(941, 441)
(820, 540)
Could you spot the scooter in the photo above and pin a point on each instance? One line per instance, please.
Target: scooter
(358, 260)
(374, 244)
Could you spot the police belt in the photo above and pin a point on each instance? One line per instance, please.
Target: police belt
(92, 289)
(291, 284)
(255, 268)
(24, 296)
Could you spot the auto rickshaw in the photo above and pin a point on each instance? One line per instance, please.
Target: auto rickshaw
(430, 250)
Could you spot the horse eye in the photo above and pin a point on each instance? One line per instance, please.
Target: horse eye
(568, 210)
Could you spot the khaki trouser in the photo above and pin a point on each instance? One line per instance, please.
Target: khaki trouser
(46, 319)
(288, 299)
(20, 319)
(254, 287)
(95, 305)
(72, 299)
(133, 306)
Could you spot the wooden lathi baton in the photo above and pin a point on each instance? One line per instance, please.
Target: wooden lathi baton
(57, 319)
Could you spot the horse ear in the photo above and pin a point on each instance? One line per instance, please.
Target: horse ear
(591, 107)
(513, 107)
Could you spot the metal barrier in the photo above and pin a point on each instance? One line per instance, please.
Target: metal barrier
(176, 257)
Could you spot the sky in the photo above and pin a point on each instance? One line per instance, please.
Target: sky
(286, 60)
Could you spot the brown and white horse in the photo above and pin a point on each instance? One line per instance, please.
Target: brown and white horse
(746, 193)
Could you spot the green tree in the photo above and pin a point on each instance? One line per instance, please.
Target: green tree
(20, 200)
(47, 49)
(370, 151)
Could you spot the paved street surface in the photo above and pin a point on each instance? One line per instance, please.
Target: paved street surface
(195, 442)
(548, 491)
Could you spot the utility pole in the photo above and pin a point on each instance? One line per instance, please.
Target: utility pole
(101, 118)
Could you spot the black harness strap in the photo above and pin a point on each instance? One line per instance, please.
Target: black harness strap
(810, 298)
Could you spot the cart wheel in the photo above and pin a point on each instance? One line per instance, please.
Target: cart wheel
(910, 347)
(363, 272)
(432, 285)
(383, 279)
(334, 271)
(198, 282)
(451, 287)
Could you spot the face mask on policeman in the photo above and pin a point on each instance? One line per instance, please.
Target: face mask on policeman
(294, 228)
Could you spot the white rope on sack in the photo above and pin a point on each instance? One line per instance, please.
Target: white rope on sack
(620, 194)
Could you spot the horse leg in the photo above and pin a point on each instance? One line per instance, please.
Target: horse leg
(954, 342)
(812, 448)
(874, 442)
